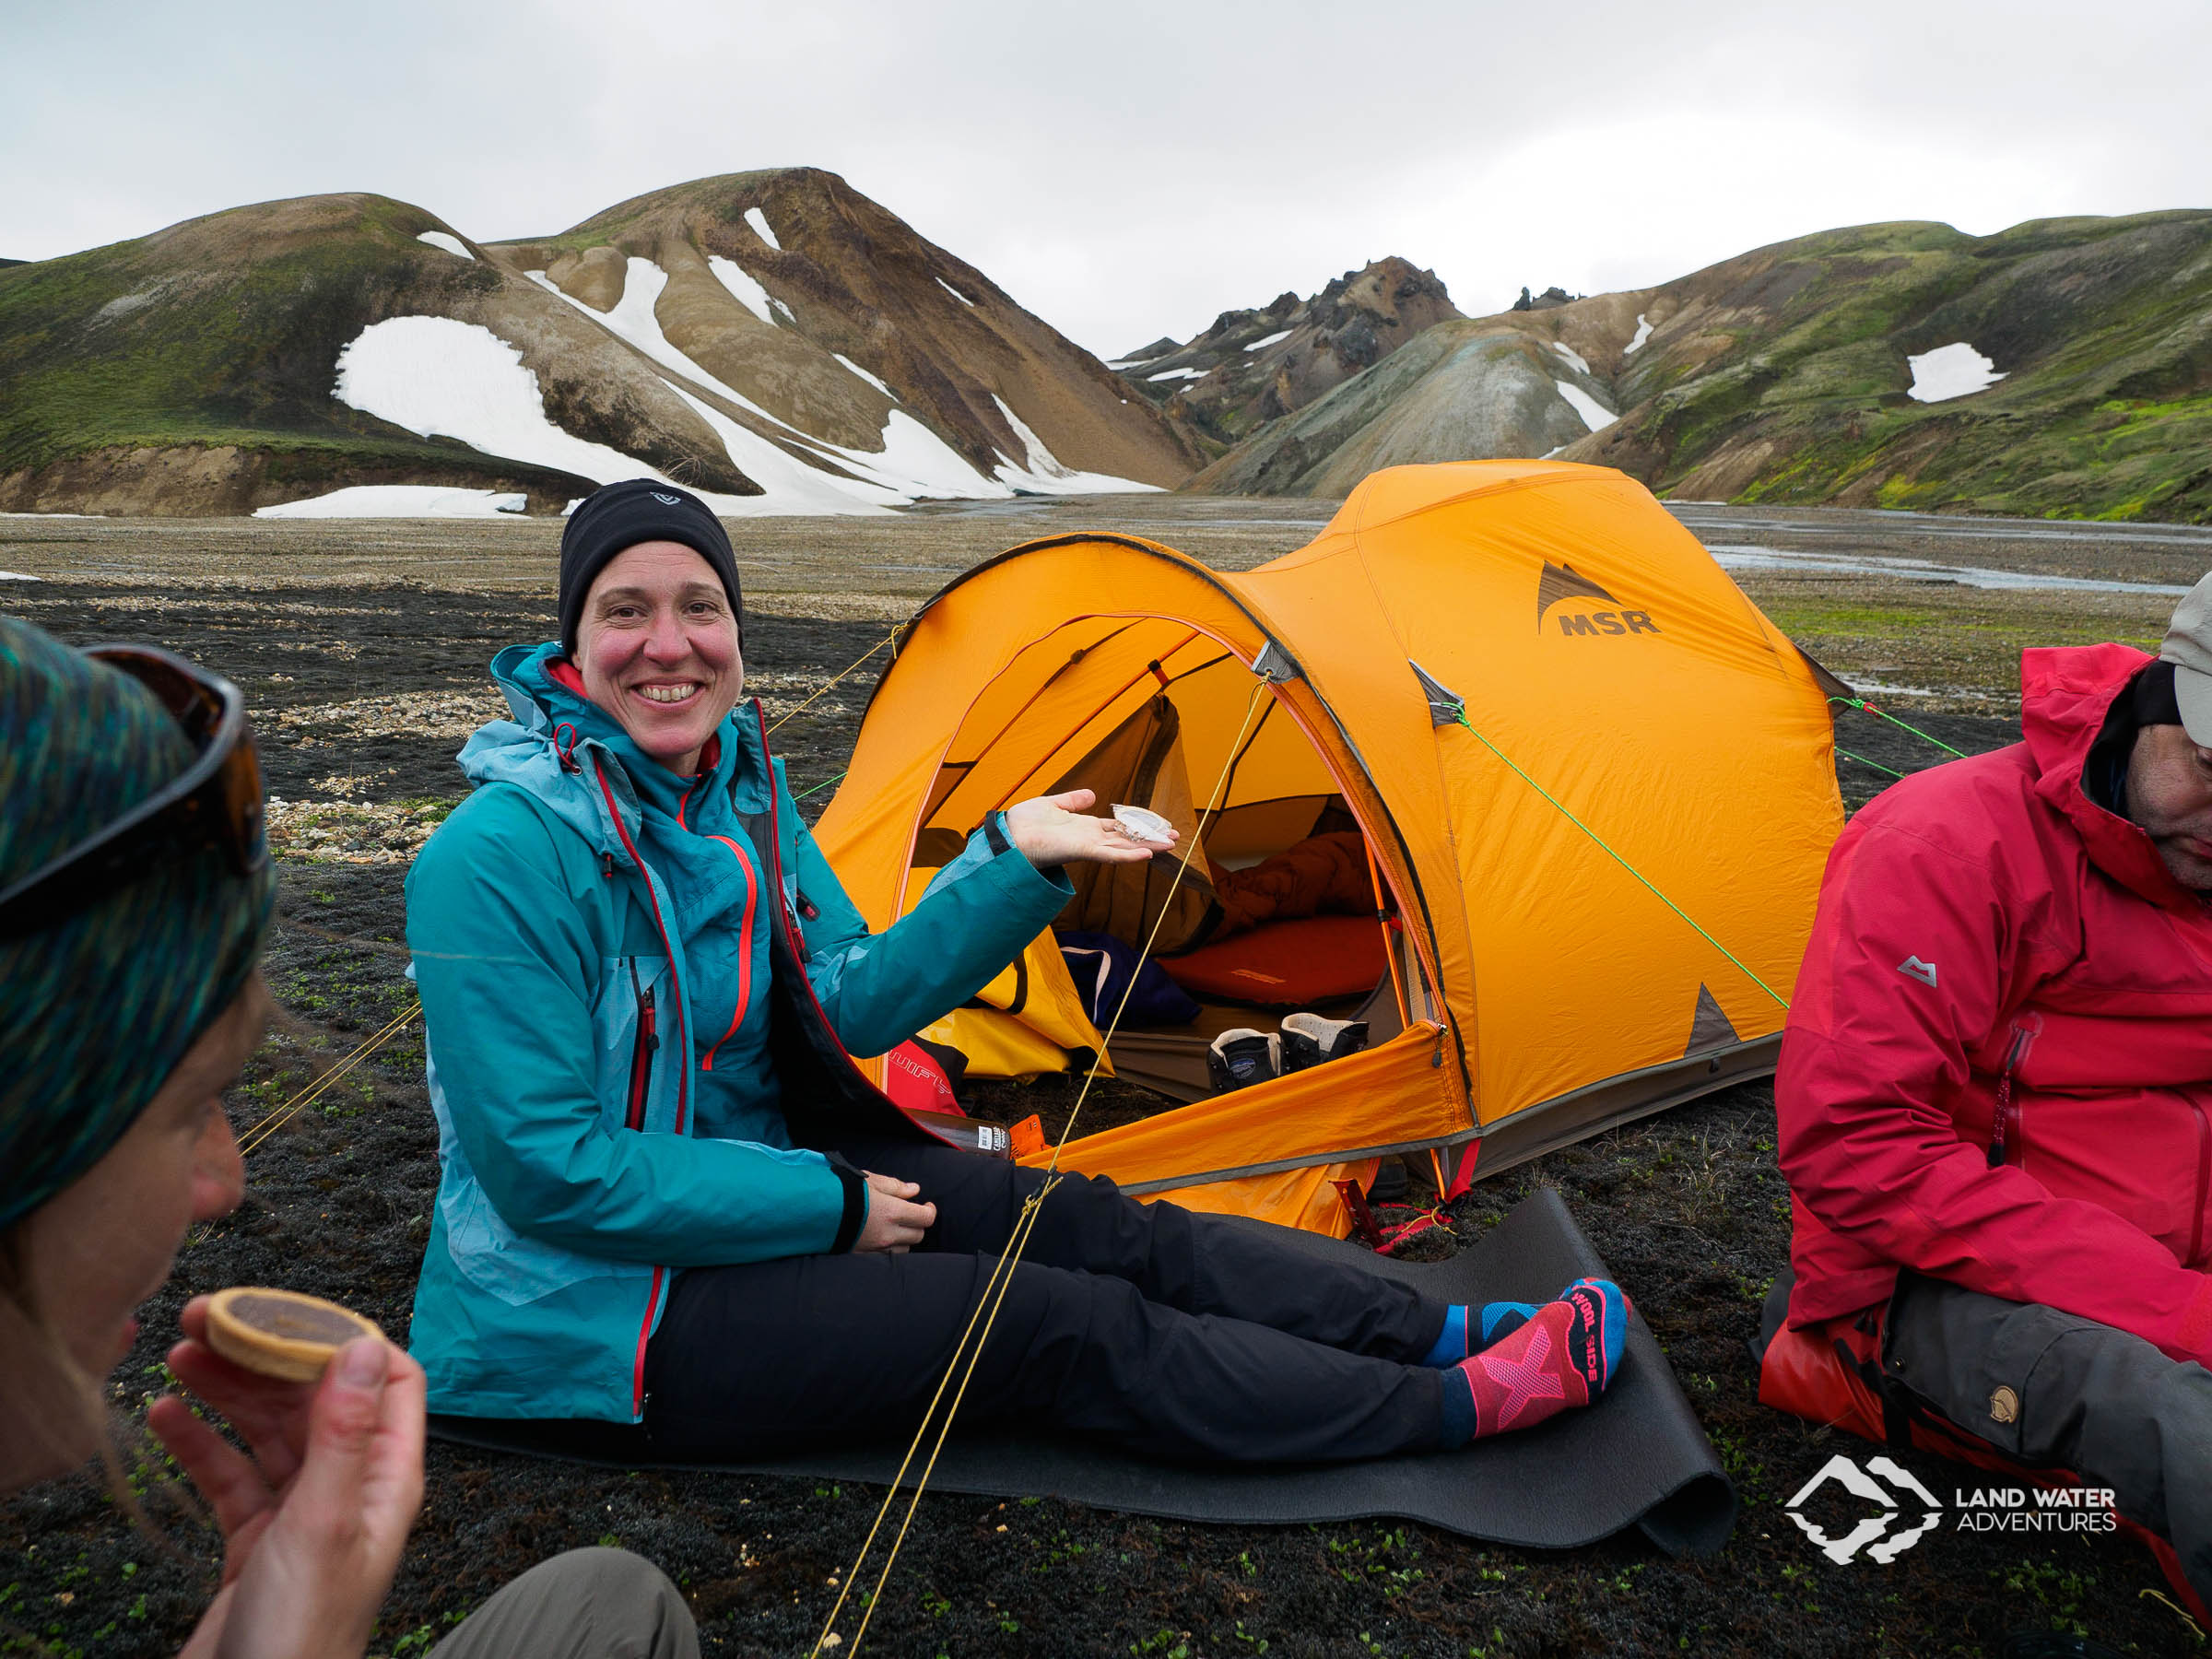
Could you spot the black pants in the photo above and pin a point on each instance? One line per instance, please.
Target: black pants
(1168, 1333)
(2056, 1391)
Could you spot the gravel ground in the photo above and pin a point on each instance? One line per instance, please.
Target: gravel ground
(362, 649)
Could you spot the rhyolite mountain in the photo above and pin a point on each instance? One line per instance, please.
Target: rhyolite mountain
(769, 337)
(1784, 374)
(1252, 367)
(782, 343)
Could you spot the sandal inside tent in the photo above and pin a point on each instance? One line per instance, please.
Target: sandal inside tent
(1502, 766)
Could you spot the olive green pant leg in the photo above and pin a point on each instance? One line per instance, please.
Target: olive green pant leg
(2051, 1390)
(588, 1604)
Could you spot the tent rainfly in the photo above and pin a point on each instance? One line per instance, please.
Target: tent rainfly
(1593, 788)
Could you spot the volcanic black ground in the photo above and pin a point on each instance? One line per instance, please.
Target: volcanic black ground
(363, 648)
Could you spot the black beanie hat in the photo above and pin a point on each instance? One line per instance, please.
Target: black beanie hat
(621, 516)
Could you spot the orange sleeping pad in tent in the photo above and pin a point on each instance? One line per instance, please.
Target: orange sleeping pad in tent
(1289, 964)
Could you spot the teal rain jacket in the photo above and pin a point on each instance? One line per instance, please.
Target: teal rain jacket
(592, 949)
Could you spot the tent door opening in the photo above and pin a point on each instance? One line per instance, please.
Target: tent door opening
(1282, 908)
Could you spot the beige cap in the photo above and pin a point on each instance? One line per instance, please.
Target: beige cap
(2188, 646)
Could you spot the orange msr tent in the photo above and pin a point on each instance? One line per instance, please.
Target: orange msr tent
(1594, 786)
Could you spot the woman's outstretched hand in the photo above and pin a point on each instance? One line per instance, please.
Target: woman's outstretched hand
(315, 1520)
(1057, 829)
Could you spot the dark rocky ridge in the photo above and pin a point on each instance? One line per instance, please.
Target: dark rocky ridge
(1225, 384)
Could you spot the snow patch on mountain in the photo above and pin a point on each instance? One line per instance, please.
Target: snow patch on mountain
(447, 241)
(956, 293)
(400, 501)
(759, 221)
(1949, 371)
(1596, 415)
(788, 485)
(437, 377)
(1643, 333)
(743, 288)
(1169, 374)
(1280, 334)
(863, 374)
(791, 484)
(634, 319)
(1572, 355)
(1043, 473)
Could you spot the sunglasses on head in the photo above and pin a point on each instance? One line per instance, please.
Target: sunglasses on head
(214, 805)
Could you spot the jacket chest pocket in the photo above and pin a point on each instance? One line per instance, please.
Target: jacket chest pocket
(633, 1024)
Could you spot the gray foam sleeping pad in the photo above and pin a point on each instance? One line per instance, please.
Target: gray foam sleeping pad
(1638, 1458)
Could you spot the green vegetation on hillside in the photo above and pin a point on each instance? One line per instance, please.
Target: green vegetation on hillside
(222, 331)
(1789, 382)
(1783, 376)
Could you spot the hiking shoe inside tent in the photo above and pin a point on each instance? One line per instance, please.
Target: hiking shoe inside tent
(1309, 1039)
(1244, 1056)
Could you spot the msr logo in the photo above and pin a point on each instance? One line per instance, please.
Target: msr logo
(1563, 583)
(1868, 1534)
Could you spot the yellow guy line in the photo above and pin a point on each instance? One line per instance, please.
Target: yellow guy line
(252, 1136)
(1002, 1276)
(889, 639)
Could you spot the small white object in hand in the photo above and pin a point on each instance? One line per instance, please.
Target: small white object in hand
(1144, 826)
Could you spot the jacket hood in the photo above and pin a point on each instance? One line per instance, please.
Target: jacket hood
(557, 734)
(2066, 692)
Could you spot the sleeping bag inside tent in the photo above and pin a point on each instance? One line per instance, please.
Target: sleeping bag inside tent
(1502, 763)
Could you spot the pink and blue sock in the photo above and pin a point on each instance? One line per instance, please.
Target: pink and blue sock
(1608, 1320)
(1563, 1355)
(1493, 1322)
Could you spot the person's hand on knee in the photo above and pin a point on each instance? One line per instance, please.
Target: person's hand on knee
(896, 1222)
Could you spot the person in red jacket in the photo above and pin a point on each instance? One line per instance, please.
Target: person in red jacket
(1995, 1101)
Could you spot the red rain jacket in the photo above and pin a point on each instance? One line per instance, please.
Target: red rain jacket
(1987, 915)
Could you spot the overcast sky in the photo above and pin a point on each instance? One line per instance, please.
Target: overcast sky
(1129, 169)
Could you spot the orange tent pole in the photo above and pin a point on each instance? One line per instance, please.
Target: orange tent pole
(1390, 949)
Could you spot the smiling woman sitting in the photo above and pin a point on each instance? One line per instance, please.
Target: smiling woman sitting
(669, 1199)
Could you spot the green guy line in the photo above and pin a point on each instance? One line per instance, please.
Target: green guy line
(1862, 759)
(1860, 702)
(1623, 863)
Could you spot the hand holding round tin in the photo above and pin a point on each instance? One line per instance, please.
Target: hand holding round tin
(315, 1512)
(281, 1334)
